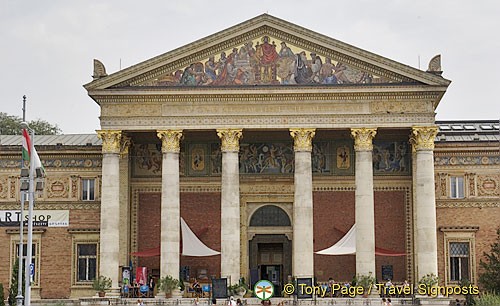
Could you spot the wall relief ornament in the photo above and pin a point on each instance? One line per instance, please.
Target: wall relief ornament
(302, 139)
(170, 140)
(363, 138)
(489, 185)
(3, 188)
(57, 188)
(110, 140)
(230, 139)
(422, 138)
(125, 146)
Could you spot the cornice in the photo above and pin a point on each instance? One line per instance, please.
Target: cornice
(286, 121)
(264, 94)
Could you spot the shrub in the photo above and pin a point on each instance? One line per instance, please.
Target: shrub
(167, 284)
(13, 283)
(490, 275)
(2, 296)
(488, 300)
(101, 283)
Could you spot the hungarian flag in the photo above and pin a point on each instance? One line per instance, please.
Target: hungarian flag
(27, 154)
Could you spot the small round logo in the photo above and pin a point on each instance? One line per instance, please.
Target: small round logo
(264, 290)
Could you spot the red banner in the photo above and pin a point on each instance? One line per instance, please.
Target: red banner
(142, 275)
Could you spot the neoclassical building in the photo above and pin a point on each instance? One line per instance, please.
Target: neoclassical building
(270, 141)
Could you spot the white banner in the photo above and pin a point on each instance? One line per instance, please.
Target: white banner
(45, 218)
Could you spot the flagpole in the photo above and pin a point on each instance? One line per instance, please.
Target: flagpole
(31, 195)
(19, 297)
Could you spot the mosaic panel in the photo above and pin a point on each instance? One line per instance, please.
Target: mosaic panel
(57, 163)
(466, 160)
(265, 61)
(266, 158)
(146, 160)
(343, 163)
(391, 158)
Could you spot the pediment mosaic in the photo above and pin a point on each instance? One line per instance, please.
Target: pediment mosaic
(266, 61)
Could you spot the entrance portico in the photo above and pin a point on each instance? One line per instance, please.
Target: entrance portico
(388, 99)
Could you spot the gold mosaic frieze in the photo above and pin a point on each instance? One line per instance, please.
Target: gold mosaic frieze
(363, 138)
(302, 139)
(170, 140)
(110, 140)
(230, 139)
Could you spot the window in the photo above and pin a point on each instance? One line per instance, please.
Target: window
(459, 261)
(270, 215)
(87, 262)
(457, 187)
(88, 189)
(34, 257)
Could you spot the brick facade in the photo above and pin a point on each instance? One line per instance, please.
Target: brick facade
(334, 216)
(201, 211)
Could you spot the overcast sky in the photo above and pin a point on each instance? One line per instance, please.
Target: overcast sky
(47, 47)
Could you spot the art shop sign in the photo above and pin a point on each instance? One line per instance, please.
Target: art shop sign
(41, 218)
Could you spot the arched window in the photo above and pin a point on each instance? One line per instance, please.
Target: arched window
(270, 215)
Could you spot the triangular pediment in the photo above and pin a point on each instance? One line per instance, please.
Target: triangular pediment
(265, 51)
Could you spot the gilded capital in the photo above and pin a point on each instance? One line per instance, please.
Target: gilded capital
(422, 138)
(110, 140)
(125, 146)
(302, 139)
(230, 139)
(363, 138)
(170, 140)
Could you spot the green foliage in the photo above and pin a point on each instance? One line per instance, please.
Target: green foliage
(182, 287)
(13, 283)
(101, 283)
(469, 298)
(11, 125)
(489, 277)
(430, 280)
(365, 281)
(241, 288)
(487, 300)
(2, 296)
(167, 284)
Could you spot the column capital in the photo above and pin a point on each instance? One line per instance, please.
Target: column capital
(125, 144)
(302, 139)
(422, 137)
(230, 139)
(110, 140)
(170, 140)
(363, 138)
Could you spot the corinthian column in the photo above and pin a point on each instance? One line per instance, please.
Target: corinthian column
(422, 139)
(230, 205)
(170, 203)
(364, 205)
(303, 249)
(124, 201)
(109, 261)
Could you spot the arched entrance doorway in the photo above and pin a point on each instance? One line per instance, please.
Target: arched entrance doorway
(270, 246)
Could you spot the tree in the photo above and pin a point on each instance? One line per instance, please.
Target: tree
(13, 283)
(11, 125)
(2, 296)
(490, 275)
